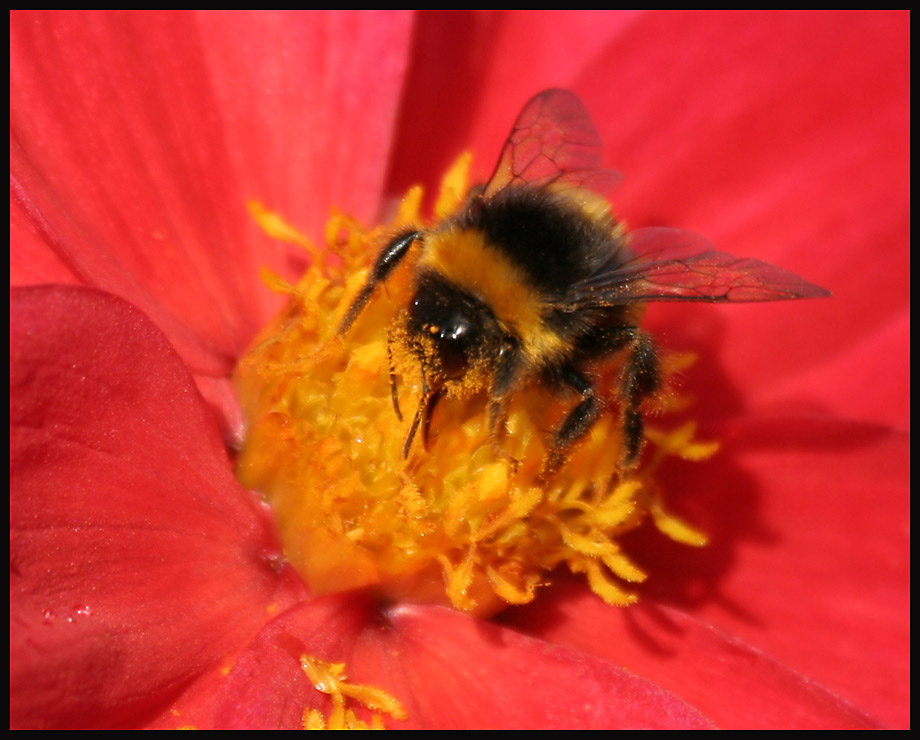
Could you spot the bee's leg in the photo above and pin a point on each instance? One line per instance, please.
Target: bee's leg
(393, 386)
(507, 365)
(385, 263)
(419, 413)
(641, 378)
(579, 420)
(429, 410)
(426, 404)
(496, 410)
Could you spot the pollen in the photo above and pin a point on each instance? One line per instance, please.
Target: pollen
(330, 678)
(462, 519)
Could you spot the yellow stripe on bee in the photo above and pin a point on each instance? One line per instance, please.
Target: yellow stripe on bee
(463, 258)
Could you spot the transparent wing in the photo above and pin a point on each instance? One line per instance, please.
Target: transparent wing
(660, 264)
(553, 142)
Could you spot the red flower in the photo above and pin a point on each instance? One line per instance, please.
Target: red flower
(141, 572)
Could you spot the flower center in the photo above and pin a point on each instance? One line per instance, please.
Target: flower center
(457, 516)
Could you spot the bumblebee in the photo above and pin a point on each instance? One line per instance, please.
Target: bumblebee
(533, 280)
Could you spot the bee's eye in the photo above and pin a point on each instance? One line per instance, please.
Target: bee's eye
(453, 340)
(451, 324)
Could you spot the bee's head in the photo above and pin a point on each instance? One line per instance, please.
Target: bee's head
(452, 329)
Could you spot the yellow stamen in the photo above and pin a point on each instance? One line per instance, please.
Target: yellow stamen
(330, 678)
(468, 520)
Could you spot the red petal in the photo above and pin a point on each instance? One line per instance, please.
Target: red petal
(449, 671)
(137, 562)
(819, 549)
(808, 562)
(137, 140)
(458, 671)
(267, 687)
(734, 684)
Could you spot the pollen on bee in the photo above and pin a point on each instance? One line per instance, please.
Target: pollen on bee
(468, 519)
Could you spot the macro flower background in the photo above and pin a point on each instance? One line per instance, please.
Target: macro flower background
(146, 586)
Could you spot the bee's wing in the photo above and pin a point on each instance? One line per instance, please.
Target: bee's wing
(660, 264)
(553, 142)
